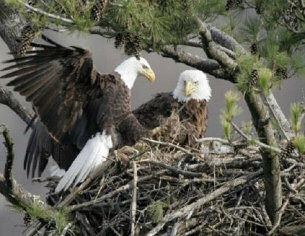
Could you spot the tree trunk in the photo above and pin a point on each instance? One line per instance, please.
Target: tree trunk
(271, 164)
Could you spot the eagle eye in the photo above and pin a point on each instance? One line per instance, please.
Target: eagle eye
(145, 67)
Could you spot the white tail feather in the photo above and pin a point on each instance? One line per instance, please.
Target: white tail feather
(55, 171)
(89, 160)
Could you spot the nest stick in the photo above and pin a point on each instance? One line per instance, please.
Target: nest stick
(133, 207)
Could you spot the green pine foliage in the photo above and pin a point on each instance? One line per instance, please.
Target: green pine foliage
(265, 80)
(299, 143)
(154, 22)
(296, 117)
(232, 110)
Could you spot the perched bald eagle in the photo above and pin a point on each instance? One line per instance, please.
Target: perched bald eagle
(85, 113)
(189, 100)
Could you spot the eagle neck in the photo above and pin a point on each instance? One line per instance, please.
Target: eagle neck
(128, 76)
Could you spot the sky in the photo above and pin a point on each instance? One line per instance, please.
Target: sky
(106, 58)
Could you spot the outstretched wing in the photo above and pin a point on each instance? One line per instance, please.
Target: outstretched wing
(56, 80)
(41, 146)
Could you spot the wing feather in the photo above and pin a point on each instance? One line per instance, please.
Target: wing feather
(56, 80)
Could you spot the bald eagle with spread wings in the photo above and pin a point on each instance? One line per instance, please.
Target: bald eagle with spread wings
(189, 100)
(85, 113)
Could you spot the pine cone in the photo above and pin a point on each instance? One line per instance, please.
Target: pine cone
(229, 4)
(253, 48)
(282, 73)
(32, 2)
(98, 9)
(286, 152)
(238, 3)
(163, 4)
(27, 219)
(132, 45)
(253, 77)
(119, 40)
(26, 38)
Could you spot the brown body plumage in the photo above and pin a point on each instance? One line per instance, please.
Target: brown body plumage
(193, 115)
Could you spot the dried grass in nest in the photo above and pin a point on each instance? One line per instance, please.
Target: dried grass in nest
(181, 193)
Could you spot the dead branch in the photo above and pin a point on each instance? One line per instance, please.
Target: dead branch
(279, 116)
(7, 98)
(8, 142)
(168, 144)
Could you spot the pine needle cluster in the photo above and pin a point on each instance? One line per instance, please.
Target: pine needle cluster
(232, 110)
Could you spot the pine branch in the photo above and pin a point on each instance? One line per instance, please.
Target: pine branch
(209, 66)
(212, 50)
(49, 15)
(226, 41)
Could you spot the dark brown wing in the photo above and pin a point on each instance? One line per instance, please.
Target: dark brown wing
(56, 80)
(151, 113)
(41, 146)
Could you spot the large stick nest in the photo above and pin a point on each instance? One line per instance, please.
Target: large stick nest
(217, 190)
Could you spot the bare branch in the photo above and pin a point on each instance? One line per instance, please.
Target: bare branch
(168, 144)
(207, 65)
(7, 98)
(211, 48)
(8, 142)
(278, 114)
(226, 41)
(10, 26)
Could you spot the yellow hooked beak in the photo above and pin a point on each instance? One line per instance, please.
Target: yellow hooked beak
(189, 88)
(149, 74)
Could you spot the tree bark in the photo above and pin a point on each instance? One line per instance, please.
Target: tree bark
(10, 26)
(271, 163)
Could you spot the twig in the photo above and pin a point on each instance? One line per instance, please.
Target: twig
(249, 139)
(111, 194)
(133, 207)
(279, 217)
(281, 211)
(168, 144)
(172, 169)
(50, 15)
(65, 230)
(211, 139)
(84, 185)
(35, 229)
(175, 229)
(207, 198)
